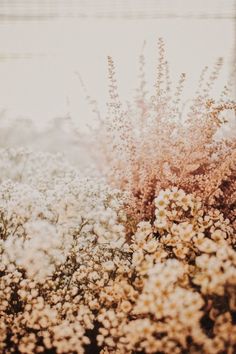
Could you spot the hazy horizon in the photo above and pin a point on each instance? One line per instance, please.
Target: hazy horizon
(40, 55)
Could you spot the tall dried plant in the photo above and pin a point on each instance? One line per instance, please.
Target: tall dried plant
(157, 141)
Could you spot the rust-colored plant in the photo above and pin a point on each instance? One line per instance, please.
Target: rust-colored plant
(157, 141)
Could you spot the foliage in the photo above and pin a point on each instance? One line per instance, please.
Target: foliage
(139, 257)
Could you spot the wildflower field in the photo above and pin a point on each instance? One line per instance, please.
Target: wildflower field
(136, 254)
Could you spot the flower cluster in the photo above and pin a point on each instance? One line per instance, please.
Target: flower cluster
(186, 263)
(137, 259)
(55, 230)
(69, 287)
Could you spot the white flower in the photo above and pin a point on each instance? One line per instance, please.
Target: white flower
(151, 246)
(137, 257)
(109, 266)
(207, 246)
(161, 202)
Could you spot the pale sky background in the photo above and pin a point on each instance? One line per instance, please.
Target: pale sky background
(44, 43)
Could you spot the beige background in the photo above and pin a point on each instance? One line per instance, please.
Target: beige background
(44, 43)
